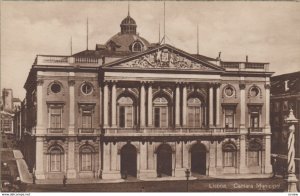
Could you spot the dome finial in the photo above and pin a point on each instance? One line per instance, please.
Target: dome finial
(128, 8)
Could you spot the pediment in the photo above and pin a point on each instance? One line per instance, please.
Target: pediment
(164, 57)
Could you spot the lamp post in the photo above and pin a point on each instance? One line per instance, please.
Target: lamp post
(187, 175)
(292, 179)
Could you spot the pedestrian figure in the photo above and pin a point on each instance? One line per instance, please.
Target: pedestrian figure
(64, 180)
(274, 167)
(142, 189)
(33, 178)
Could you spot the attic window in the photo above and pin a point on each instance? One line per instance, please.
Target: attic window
(137, 47)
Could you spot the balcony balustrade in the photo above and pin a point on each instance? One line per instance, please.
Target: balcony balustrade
(247, 66)
(55, 130)
(83, 131)
(63, 60)
(169, 131)
(255, 130)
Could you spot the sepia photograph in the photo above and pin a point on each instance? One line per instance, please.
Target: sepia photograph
(150, 96)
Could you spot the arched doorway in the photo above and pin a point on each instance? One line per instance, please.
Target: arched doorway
(198, 159)
(128, 160)
(164, 160)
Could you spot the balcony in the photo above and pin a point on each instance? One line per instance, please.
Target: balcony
(57, 60)
(55, 130)
(170, 131)
(245, 66)
(88, 131)
(255, 130)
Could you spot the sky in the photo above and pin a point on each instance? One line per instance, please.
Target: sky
(265, 31)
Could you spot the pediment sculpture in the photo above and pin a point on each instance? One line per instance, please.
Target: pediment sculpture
(164, 59)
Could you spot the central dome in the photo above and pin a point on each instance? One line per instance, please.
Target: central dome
(128, 25)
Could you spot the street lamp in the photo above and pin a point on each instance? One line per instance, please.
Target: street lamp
(292, 179)
(187, 175)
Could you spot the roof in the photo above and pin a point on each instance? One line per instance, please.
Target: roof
(124, 41)
(286, 83)
(128, 21)
(199, 56)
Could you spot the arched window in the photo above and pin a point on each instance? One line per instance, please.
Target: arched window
(229, 155)
(194, 112)
(86, 158)
(137, 47)
(254, 153)
(126, 111)
(56, 155)
(160, 112)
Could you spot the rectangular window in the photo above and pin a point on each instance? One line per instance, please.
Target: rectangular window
(86, 119)
(122, 116)
(229, 159)
(157, 117)
(253, 158)
(254, 120)
(55, 162)
(197, 117)
(164, 117)
(229, 118)
(86, 162)
(129, 116)
(194, 116)
(55, 118)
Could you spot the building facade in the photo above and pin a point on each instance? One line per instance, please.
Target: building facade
(146, 110)
(285, 94)
(9, 107)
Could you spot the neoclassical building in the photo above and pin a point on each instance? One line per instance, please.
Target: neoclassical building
(146, 110)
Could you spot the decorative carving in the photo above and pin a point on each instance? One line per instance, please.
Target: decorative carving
(40, 82)
(267, 86)
(165, 59)
(71, 82)
(242, 86)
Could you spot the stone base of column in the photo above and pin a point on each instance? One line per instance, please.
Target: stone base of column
(40, 175)
(268, 169)
(219, 170)
(111, 175)
(147, 174)
(212, 171)
(71, 173)
(292, 183)
(243, 169)
(180, 172)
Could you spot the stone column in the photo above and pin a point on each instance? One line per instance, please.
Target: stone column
(267, 101)
(114, 105)
(110, 162)
(211, 106)
(219, 158)
(150, 122)
(39, 159)
(184, 106)
(243, 107)
(40, 127)
(71, 172)
(142, 106)
(268, 166)
(105, 105)
(72, 106)
(179, 169)
(218, 105)
(185, 154)
(242, 154)
(177, 106)
(212, 159)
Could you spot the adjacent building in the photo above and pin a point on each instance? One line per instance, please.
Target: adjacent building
(9, 106)
(285, 94)
(147, 110)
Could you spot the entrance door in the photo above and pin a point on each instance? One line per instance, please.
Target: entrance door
(164, 160)
(128, 160)
(198, 159)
